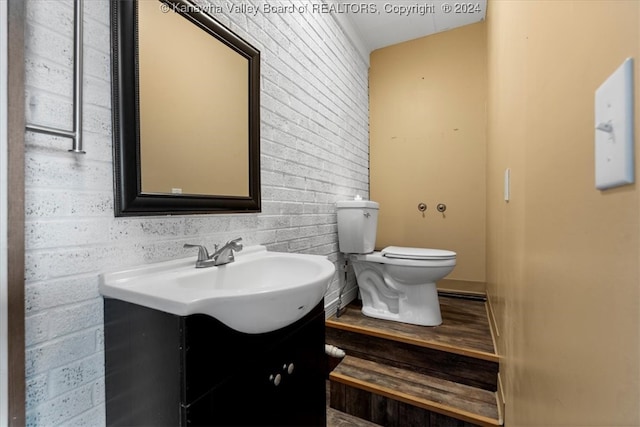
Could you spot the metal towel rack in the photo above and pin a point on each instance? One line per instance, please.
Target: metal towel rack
(76, 133)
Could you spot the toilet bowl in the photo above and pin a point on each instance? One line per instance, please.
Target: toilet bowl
(396, 283)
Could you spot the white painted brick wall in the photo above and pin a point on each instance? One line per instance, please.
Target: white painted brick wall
(314, 152)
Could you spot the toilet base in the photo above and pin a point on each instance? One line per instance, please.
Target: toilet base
(431, 318)
(391, 293)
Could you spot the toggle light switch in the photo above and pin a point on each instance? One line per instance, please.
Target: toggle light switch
(614, 129)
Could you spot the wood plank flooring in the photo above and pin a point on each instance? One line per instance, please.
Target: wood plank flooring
(397, 374)
(340, 419)
(433, 394)
(464, 330)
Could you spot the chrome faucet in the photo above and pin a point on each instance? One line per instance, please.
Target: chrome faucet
(224, 255)
(221, 256)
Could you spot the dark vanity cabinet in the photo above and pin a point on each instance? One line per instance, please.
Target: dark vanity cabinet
(168, 370)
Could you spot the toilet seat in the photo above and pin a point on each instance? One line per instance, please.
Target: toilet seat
(447, 258)
(401, 252)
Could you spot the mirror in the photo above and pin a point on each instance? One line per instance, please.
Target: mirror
(186, 112)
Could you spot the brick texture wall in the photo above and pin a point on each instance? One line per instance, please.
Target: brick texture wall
(314, 152)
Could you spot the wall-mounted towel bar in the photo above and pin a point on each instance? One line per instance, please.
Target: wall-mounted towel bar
(76, 133)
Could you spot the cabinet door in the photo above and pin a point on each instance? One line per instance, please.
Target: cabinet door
(302, 365)
(142, 366)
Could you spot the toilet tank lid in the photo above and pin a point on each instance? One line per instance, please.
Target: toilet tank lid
(358, 204)
(416, 253)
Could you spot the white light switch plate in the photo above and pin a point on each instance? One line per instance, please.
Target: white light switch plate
(507, 184)
(614, 129)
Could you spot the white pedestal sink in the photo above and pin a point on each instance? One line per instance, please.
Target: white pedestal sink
(259, 292)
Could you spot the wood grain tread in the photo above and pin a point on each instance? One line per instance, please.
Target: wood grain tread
(465, 328)
(448, 398)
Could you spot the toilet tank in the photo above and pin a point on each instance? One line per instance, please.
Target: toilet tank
(357, 225)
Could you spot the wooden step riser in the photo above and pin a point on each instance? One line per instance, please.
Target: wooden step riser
(437, 363)
(454, 400)
(386, 411)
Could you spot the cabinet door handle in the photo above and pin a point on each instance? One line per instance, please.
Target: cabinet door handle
(275, 379)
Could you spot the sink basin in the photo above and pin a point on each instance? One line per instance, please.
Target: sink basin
(261, 291)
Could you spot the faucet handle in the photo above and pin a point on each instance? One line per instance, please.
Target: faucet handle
(203, 254)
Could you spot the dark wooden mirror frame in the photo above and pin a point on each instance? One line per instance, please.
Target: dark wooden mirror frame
(129, 198)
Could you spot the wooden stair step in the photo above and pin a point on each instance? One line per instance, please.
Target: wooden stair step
(460, 350)
(470, 405)
(448, 366)
(465, 329)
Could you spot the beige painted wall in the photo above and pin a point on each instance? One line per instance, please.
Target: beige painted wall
(194, 110)
(428, 144)
(562, 257)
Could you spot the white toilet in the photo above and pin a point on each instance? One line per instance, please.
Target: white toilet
(396, 283)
